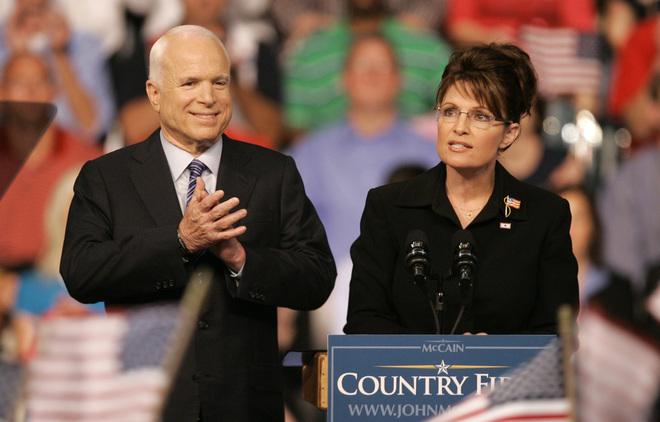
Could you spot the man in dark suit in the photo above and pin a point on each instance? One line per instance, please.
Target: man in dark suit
(132, 236)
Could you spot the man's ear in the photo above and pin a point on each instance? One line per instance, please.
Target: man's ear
(153, 92)
(510, 135)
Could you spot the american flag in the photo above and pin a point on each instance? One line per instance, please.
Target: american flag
(534, 392)
(10, 380)
(512, 202)
(101, 367)
(566, 60)
(618, 370)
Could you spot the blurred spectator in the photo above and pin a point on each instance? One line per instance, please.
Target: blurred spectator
(559, 35)
(629, 206)
(299, 18)
(28, 78)
(106, 20)
(531, 160)
(635, 86)
(586, 240)
(253, 43)
(474, 21)
(16, 147)
(136, 119)
(256, 117)
(84, 96)
(341, 162)
(619, 17)
(123, 26)
(313, 72)
(41, 291)
(7, 300)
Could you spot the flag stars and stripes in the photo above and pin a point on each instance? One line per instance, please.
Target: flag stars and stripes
(101, 368)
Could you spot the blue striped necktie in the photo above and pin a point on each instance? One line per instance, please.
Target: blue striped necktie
(196, 168)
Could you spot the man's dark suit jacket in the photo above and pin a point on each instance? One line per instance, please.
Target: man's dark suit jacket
(526, 267)
(121, 247)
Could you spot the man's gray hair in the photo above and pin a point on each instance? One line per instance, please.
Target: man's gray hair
(160, 46)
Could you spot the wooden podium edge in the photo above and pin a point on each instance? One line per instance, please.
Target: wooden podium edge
(315, 381)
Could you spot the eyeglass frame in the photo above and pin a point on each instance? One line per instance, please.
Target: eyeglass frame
(470, 116)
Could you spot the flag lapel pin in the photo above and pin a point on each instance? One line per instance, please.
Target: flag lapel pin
(509, 203)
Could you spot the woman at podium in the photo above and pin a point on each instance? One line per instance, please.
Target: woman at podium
(465, 247)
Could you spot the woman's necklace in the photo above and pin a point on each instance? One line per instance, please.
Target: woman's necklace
(469, 214)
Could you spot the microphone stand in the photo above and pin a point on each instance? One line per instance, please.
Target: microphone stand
(434, 302)
(438, 304)
(465, 293)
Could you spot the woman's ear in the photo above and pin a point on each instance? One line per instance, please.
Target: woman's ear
(510, 135)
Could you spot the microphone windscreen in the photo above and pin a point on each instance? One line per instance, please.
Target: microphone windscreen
(462, 236)
(416, 235)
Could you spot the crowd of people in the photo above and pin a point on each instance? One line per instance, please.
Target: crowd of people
(347, 88)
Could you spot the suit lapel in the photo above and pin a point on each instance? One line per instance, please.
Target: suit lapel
(153, 182)
(235, 175)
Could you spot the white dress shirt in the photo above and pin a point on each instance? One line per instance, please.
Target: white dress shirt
(178, 161)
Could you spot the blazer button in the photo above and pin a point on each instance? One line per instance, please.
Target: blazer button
(203, 325)
(195, 378)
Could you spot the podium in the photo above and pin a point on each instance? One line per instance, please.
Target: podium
(409, 377)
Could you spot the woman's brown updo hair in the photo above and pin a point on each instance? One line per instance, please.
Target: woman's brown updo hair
(500, 76)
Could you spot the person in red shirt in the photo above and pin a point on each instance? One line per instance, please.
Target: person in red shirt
(26, 78)
(635, 84)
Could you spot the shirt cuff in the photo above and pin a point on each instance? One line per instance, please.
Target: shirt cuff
(236, 275)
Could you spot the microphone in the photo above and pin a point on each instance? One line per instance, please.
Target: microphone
(465, 260)
(417, 258)
(465, 265)
(418, 264)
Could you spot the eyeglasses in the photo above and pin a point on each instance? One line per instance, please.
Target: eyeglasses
(478, 119)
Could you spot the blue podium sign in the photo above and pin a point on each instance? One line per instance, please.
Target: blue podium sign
(413, 377)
